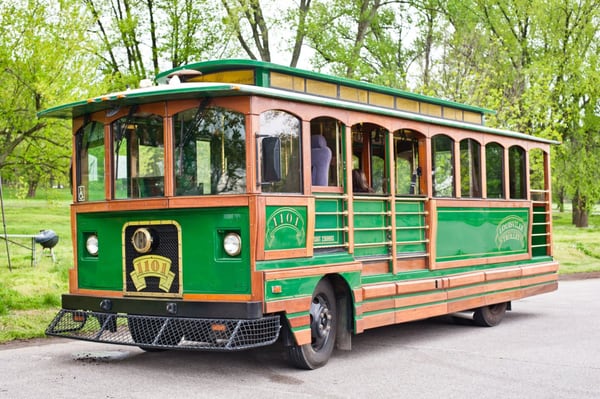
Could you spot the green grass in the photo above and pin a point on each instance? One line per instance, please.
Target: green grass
(30, 296)
(576, 249)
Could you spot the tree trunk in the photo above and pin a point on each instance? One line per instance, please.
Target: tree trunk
(580, 213)
(31, 189)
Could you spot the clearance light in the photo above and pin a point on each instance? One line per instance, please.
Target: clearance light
(232, 244)
(91, 244)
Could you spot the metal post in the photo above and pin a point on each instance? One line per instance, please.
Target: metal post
(4, 225)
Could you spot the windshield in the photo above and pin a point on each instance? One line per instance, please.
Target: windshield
(138, 162)
(210, 151)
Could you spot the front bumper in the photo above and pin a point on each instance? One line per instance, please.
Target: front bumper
(165, 332)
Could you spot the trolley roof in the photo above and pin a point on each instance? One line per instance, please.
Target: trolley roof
(247, 77)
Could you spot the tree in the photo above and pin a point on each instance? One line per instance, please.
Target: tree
(42, 61)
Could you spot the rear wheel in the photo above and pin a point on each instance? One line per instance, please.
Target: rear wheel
(490, 316)
(323, 328)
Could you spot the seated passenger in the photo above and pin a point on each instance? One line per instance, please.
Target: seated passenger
(359, 182)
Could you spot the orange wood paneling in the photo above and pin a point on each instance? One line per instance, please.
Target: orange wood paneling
(294, 305)
(311, 271)
(379, 290)
(407, 287)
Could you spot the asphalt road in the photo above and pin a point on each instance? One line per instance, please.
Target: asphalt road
(547, 347)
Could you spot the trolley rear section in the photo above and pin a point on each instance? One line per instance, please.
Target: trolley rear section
(240, 202)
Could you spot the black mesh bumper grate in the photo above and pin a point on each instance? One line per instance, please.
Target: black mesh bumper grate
(165, 332)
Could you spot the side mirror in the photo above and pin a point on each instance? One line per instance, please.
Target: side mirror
(271, 160)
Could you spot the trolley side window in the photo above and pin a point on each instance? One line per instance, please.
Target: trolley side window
(470, 169)
(90, 162)
(494, 170)
(406, 155)
(516, 168)
(326, 152)
(138, 156)
(279, 142)
(443, 166)
(210, 151)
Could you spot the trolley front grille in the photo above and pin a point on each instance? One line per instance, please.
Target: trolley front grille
(165, 332)
(156, 272)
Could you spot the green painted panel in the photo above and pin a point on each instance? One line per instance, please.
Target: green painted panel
(370, 222)
(410, 227)
(329, 219)
(465, 233)
(285, 227)
(205, 266)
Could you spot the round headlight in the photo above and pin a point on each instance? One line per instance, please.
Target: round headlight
(91, 244)
(142, 240)
(232, 244)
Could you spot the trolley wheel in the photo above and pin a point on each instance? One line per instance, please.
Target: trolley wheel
(143, 331)
(490, 316)
(323, 328)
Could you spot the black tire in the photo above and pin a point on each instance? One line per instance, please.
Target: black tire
(490, 316)
(323, 329)
(143, 331)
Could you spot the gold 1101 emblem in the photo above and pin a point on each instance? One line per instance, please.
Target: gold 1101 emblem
(152, 266)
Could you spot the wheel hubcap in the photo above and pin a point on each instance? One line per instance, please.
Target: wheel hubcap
(320, 321)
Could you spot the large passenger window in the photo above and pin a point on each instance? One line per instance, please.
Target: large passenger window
(516, 169)
(326, 152)
(494, 170)
(285, 129)
(368, 159)
(406, 156)
(138, 156)
(470, 169)
(90, 162)
(443, 166)
(210, 151)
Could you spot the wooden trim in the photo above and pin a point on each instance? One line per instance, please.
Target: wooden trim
(483, 161)
(547, 184)
(327, 189)
(305, 155)
(349, 188)
(456, 158)
(431, 220)
(506, 172)
(121, 205)
(374, 306)
(529, 270)
(482, 203)
(294, 305)
(299, 321)
(73, 287)
(373, 268)
(480, 261)
(415, 300)
(224, 200)
(379, 290)
(311, 271)
(169, 144)
(419, 313)
(303, 337)
(466, 279)
(501, 274)
(98, 293)
(409, 287)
